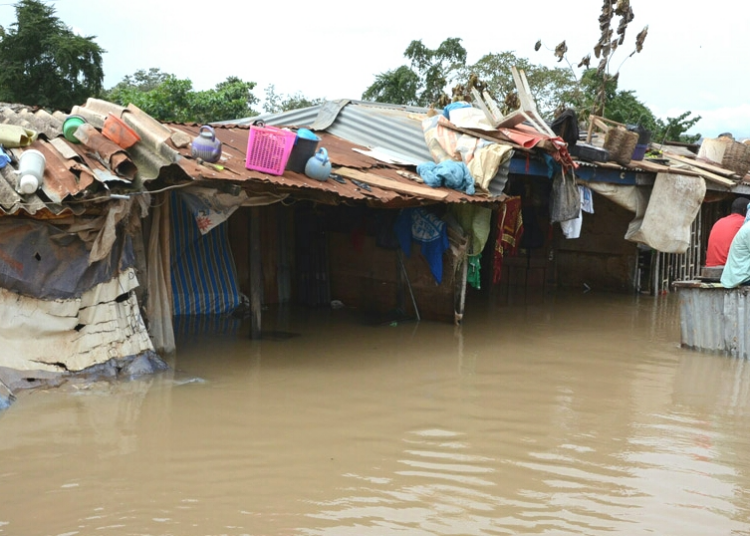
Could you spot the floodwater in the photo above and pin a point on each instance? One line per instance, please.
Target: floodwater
(580, 415)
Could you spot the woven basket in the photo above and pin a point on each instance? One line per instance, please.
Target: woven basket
(736, 158)
(620, 143)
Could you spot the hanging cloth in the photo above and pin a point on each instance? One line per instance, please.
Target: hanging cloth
(429, 232)
(473, 274)
(509, 233)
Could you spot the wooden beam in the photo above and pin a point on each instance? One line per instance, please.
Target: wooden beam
(390, 184)
(708, 175)
(256, 274)
(700, 164)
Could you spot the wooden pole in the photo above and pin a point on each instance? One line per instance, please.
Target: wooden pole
(458, 315)
(400, 284)
(256, 276)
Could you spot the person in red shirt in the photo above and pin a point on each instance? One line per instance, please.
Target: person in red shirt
(723, 232)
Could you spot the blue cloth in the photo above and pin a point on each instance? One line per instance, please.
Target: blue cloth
(552, 166)
(4, 159)
(737, 269)
(448, 173)
(204, 276)
(429, 231)
(454, 106)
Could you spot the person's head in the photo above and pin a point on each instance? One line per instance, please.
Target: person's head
(739, 205)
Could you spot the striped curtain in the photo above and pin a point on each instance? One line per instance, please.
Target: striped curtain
(204, 277)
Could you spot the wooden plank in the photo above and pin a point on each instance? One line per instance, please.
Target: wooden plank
(700, 164)
(256, 276)
(661, 168)
(650, 166)
(389, 184)
(708, 175)
(482, 106)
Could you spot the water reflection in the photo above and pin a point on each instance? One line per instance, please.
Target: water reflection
(580, 415)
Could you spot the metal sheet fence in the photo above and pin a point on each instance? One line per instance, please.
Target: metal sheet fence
(671, 267)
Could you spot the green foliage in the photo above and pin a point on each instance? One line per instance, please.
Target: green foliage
(435, 67)
(278, 102)
(624, 106)
(675, 128)
(551, 88)
(141, 80)
(168, 98)
(398, 86)
(597, 91)
(424, 83)
(44, 63)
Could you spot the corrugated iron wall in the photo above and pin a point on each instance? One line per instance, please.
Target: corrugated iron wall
(716, 320)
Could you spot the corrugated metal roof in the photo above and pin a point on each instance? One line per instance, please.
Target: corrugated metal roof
(77, 175)
(394, 128)
(71, 170)
(342, 153)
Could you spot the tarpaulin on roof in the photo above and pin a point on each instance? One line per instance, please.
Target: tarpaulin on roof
(41, 260)
(204, 276)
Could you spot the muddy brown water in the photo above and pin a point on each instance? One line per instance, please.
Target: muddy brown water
(579, 415)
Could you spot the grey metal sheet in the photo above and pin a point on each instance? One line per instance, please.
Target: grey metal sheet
(385, 126)
(715, 319)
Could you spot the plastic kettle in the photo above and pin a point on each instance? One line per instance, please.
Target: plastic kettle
(318, 166)
(206, 146)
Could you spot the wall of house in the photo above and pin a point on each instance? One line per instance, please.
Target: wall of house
(601, 258)
(273, 262)
(355, 271)
(366, 277)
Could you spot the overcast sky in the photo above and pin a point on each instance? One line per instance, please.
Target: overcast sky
(695, 56)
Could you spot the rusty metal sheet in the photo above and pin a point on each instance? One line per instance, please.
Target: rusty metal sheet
(110, 153)
(341, 153)
(59, 181)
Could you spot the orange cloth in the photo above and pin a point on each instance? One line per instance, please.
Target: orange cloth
(720, 238)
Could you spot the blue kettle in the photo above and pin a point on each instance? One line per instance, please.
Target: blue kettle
(318, 166)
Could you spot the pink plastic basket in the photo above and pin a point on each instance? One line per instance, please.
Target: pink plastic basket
(268, 149)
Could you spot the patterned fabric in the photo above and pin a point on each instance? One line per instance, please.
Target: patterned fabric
(204, 277)
(429, 232)
(474, 272)
(509, 233)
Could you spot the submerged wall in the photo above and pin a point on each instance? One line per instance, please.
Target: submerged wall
(314, 255)
(713, 318)
(69, 335)
(600, 258)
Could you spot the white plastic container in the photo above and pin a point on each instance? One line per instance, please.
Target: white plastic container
(30, 171)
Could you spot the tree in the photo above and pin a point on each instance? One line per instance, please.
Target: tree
(141, 80)
(278, 102)
(425, 81)
(597, 91)
(551, 88)
(168, 98)
(605, 48)
(624, 106)
(398, 86)
(44, 63)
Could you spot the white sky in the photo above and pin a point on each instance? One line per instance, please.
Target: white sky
(695, 56)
